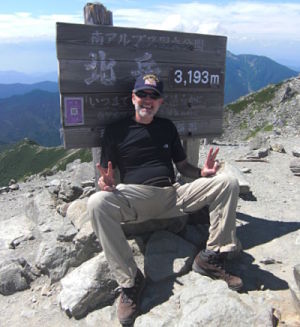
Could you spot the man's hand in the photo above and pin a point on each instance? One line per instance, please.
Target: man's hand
(211, 165)
(106, 182)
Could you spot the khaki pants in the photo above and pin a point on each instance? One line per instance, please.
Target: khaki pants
(137, 203)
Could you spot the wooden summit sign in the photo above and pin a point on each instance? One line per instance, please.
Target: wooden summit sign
(98, 65)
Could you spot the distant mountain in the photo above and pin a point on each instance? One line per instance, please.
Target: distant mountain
(26, 158)
(8, 90)
(273, 109)
(249, 73)
(12, 77)
(35, 115)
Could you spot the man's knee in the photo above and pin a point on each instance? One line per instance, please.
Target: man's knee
(229, 182)
(97, 200)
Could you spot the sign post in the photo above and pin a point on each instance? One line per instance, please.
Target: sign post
(98, 64)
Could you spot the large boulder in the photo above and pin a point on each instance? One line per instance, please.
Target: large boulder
(87, 287)
(202, 301)
(15, 275)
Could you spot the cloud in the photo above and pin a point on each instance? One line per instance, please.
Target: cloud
(255, 27)
(237, 20)
(23, 26)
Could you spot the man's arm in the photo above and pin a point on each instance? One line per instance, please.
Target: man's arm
(210, 167)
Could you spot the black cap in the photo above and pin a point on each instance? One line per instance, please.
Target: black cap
(148, 82)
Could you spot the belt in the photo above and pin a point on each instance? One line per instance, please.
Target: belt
(161, 181)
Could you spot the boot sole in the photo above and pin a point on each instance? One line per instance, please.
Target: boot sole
(202, 272)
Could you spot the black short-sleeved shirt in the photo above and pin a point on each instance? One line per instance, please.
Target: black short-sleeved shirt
(142, 151)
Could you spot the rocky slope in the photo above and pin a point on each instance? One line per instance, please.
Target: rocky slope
(274, 109)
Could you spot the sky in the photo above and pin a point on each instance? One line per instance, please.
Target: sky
(270, 28)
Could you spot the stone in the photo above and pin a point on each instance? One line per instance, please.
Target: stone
(15, 276)
(14, 187)
(268, 261)
(296, 152)
(77, 212)
(55, 258)
(246, 170)
(87, 287)
(277, 147)
(202, 301)
(89, 183)
(4, 189)
(295, 166)
(41, 209)
(258, 142)
(69, 191)
(67, 231)
(167, 255)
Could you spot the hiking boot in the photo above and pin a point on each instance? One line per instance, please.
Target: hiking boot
(211, 264)
(128, 307)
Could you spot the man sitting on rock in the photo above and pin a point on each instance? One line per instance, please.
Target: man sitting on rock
(144, 148)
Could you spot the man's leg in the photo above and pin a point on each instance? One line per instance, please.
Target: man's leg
(220, 193)
(128, 203)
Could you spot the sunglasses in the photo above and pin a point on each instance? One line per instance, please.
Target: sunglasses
(143, 94)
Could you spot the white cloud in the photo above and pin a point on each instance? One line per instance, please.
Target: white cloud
(248, 25)
(23, 26)
(236, 20)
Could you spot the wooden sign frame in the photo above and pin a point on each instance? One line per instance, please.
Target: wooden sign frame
(98, 65)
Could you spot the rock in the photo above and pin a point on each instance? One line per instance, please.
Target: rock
(22, 239)
(77, 212)
(296, 152)
(4, 189)
(41, 209)
(15, 275)
(55, 258)
(277, 147)
(87, 191)
(167, 255)
(268, 261)
(69, 191)
(258, 142)
(89, 183)
(297, 275)
(246, 170)
(258, 154)
(14, 187)
(67, 231)
(11, 182)
(105, 317)
(205, 302)
(87, 287)
(295, 166)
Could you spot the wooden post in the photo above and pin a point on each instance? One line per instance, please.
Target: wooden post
(97, 14)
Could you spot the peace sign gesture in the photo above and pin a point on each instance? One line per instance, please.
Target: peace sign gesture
(106, 182)
(211, 165)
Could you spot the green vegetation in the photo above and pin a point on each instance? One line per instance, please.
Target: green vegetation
(256, 99)
(27, 158)
(265, 128)
(243, 125)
